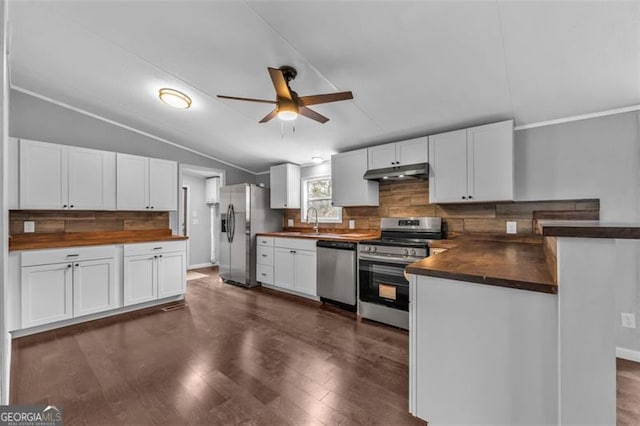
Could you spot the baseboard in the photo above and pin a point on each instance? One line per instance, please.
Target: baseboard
(628, 354)
(200, 265)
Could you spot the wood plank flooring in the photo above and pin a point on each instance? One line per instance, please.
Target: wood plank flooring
(233, 356)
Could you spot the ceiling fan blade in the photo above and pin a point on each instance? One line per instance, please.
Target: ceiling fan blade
(309, 113)
(263, 101)
(326, 98)
(280, 84)
(269, 116)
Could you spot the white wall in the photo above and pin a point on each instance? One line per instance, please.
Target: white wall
(596, 158)
(5, 339)
(200, 232)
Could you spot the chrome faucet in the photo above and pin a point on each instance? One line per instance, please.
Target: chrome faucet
(315, 224)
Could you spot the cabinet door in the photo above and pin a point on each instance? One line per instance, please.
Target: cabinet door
(448, 167)
(172, 279)
(283, 268)
(412, 151)
(305, 272)
(163, 184)
(94, 286)
(348, 188)
(132, 182)
(43, 175)
(490, 150)
(47, 294)
(381, 157)
(92, 179)
(140, 282)
(285, 186)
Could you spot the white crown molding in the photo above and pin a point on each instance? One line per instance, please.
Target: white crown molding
(124, 126)
(578, 117)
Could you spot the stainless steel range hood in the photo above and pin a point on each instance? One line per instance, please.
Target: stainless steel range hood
(411, 171)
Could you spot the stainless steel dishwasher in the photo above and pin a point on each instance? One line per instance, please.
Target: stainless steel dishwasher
(337, 273)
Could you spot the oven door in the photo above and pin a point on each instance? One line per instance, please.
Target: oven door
(384, 283)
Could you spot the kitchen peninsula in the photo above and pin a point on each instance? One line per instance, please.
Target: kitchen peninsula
(538, 317)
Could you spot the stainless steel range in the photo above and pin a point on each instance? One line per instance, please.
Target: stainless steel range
(383, 288)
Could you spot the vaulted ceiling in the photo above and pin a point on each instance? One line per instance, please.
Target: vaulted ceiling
(414, 67)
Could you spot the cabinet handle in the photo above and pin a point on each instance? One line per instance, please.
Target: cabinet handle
(157, 248)
(264, 255)
(73, 255)
(263, 274)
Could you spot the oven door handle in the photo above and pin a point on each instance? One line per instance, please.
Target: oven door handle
(390, 259)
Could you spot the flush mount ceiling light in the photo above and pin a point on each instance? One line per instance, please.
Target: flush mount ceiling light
(317, 160)
(174, 98)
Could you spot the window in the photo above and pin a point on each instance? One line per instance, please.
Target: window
(316, 192)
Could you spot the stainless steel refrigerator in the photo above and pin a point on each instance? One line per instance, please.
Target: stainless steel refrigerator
(244, 212)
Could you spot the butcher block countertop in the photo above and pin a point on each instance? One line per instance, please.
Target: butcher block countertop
(353, 237)
(589, 229)
(519, 265)
(76, 239)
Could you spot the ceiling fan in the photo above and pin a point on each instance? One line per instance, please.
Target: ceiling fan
(288, 103)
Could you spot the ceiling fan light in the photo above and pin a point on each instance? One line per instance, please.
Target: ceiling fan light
(174, 98)
(287, 112)
(317, 160)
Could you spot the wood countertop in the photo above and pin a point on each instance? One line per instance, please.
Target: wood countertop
(519, 265)
(76, 239)
(589, 229)
(352, 237)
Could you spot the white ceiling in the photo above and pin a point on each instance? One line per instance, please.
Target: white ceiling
(414, 67)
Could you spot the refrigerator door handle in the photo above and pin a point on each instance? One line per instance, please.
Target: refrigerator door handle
(229, 223)
(233, 222)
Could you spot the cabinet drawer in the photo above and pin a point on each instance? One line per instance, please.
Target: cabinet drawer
(154, 247)
(72, 254)
(264, 274)
(295, 243)
(264, 241)
(264, 256)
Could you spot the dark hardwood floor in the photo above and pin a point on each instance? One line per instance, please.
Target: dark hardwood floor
(233, 356)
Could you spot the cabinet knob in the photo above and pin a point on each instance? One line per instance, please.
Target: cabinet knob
(151, 206)
(470, 197)
(147, 207)
(160, 256)
(64, 206)
(285, 205)
(155, 257)
(71, 206)
(464, 198)
(77, 264)
(69, 266)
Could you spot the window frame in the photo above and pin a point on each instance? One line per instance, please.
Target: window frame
(305, 199)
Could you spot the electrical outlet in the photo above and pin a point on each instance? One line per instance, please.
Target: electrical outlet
(352, 224)
(290, 223)
(628, 320)
(512, 227)
(29, 226)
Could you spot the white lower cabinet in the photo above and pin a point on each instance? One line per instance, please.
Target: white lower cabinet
(47, 294)
(65, 283)
(154, 271)
(294, 265)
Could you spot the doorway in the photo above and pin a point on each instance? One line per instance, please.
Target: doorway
(199, 214)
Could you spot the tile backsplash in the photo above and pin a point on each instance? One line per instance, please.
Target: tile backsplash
(51, 221)
(411, 198)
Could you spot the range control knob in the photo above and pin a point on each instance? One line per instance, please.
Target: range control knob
(374, 249)
(413, 252)
(406, 252)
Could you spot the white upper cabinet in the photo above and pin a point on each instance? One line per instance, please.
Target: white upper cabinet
(472, 165)
(92, 179)
(43, 175)
(411, 151)
(285, 186)
(146, 183)
(163, 184)
(348, 187)
(56, 177)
